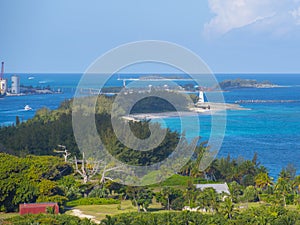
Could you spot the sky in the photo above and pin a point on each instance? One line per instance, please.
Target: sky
(231, 36)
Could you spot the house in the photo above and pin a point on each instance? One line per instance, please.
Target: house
(36, 208)
(220, 188)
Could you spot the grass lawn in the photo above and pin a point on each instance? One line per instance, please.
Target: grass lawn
(244, 205)
(292, 207)
(100, 211)
(7, 215)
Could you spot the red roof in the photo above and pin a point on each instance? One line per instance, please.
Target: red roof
(36, 208)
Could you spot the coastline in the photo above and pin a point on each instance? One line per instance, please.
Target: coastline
(193, 111)
(147, 116)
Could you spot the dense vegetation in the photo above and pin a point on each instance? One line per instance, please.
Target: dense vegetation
(39, 136)
(42, 134)
(81, 181)
(243, 83)
(32, 179)
(47, 219)
(260, 215)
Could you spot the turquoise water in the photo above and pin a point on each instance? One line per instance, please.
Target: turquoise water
(270, 129)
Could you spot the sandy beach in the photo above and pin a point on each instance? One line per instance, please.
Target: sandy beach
(205, 108)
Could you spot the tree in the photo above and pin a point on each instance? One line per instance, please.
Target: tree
(27, 191)
(191, 168)
(296, 184)
(285, 174)
(283, 187)
(262, 180)
(227, 208)
(88, 169)
(49, 191)
(140, 197)
(209, 199)
(289, 172)
(29, 179)
(99, 192)
(190, 194)
(17, 120)
(167, 196)
(250, 194)
(105, 169)
(65, 152)
(70, 187)
(236, 191)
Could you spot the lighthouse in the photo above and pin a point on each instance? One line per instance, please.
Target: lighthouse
(201, 97)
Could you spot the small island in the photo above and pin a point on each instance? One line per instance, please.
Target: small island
(30, 90)
(245, 83)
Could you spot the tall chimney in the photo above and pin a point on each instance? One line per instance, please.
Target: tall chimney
(2, 70)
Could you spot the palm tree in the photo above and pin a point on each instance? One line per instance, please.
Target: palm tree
(209, 199)
(283, 187)
(228, 208)
(296, 184)
(284, 173)
(166, 193)
(262, 180)
(108, 220)
(247, 168)
(191, 194)
(235, 191)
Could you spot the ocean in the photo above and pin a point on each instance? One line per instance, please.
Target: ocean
(270, 128)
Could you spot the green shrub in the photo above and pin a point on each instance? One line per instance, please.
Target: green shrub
(180, 218)
(61, 200)
(260, 215)
(50, 210)
(99, 193)
(92, 201)
(47, 219)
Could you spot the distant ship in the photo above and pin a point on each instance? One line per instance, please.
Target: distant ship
(27, 108)
(30, 78)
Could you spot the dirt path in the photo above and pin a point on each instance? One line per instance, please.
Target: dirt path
(77, 212)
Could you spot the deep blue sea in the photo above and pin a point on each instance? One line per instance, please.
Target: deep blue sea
(272, 129)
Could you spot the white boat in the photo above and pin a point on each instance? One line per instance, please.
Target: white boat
(30, 78)
(27, 108)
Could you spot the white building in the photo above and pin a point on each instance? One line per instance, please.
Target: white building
(15, 84)
(3, 87)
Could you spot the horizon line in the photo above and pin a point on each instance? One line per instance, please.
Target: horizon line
(157, 73)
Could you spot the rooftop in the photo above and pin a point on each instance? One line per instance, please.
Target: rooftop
(220, 188)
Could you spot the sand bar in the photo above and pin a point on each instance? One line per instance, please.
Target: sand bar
(205, 108)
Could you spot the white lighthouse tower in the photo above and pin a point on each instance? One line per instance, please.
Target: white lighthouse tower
(201, 97)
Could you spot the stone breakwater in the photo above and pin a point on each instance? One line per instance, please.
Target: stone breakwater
(265, 101)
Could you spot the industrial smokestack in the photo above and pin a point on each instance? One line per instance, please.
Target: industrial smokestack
(2, 70)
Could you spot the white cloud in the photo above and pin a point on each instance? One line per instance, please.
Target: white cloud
(296, 15)
(234, 14)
